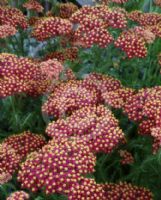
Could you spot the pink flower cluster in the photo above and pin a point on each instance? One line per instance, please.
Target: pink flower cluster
(52, 68)
(7, 30)
(89, 190)
(51, 27)
(14, 149)
(18, 195)
(145, 108)
(21, 75)
(95, 125)
(117, 98)
(132, 45)
(126, 157)
(92, 23)
(69, 96)
(12, 17)
(59, 165)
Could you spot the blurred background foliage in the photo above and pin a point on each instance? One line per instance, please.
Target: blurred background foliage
(21, 112)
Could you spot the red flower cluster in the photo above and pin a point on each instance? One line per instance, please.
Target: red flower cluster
(144, 33)
(19, 195)
(9, 159)
(67, 9)
(7, 30)
(126, 157)
(4, 176)
(115, 19)
(25, 143)
(156, 134)
(63, 55)
(51, 27)
(14, 149)
(33, 5)
(89, 190)
(12, 17)
(134, 15)
(132, 45)
(92, 30)
(155, 29)
(94, 125)
(51, 68)
(145, 108)
(92, 23)
(20, 75)
(145, 19)
(117, 98)
(68, 97)
(56, 167)
(102, 83)
(126, 191)
(86, 189)
(88, 12)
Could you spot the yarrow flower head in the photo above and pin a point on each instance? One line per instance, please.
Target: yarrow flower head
(52, 68)
(59, 165)
(7, 30)
(4, 176)
(88, 189)
(33, 5)
(21, 75)
(95, 125)
(67, 9)
(156, 134)
(132, 45)
(68, 97)
(12, 17)
(51, 27)
(145, 19)
(125, 191)
(115, 18)
(25, 143)
(102, 83)
(144, 33)
(13, 149)
(9, 159)
(126, 157)
(144, 107)
(18, 195)
(117, 98)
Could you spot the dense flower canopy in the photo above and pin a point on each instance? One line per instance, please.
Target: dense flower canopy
(56, 167)
(96, 126)
(21, 75)
(90, 190)
(7, 30)
(69, 96)
(13, 17)
(86, 76)
(51, 27)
